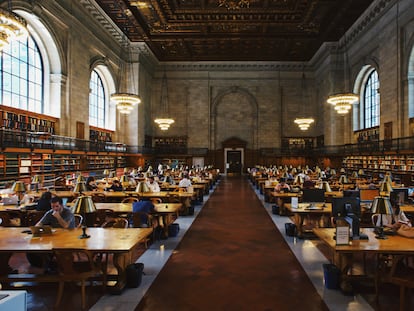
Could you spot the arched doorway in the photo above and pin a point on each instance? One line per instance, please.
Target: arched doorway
(234, 155)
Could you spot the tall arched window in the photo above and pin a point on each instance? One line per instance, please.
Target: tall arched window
(22, 76)
(370, 112)
(97, 101)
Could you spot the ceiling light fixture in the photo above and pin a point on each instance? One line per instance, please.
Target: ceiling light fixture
(125, 101)
(304, 122)
(164, 121)
(234, 4)
(12, 27)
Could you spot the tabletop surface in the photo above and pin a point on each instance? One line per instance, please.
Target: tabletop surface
(394, 243)
(101, 239)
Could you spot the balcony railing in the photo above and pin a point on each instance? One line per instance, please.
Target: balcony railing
(40, 140)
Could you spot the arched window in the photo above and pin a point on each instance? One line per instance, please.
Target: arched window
(97, 101)
(370, 112)
(22, 76)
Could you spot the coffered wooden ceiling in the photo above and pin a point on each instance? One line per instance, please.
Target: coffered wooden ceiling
(234, 30)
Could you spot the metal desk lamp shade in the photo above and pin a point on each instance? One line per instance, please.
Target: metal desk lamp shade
(325, 185)
(111, 174)
(382, 206)
(19, 188)
(84, 206)
(142, 187)
(80, 187)
(105, 172)
(355, 174)
(332, 172)
(80, 178)
(385, 188)
(361, 172)
(387, 178)
(298, 180)
(343, 179)
(124, 181)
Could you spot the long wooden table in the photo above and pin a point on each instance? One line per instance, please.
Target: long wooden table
(119, 242)
(309, 210)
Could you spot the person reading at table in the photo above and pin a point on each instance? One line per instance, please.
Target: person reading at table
(91, 184)
(58, 216)
(394, 221)
(153, 185)
(281, 187)
(185, 182)
(144, 206)
(44, 202)
(116, 186)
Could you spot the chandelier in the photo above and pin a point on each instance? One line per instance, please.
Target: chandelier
(304, 123)
(125, 101)
(164, 121)
(342, 102)
(12, 27)
(234, 4)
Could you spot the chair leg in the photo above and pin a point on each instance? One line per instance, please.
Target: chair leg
(402, 298)
(60, 293)
(83, 294)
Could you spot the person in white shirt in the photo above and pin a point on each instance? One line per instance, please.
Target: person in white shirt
(153, 185)
(184, 182)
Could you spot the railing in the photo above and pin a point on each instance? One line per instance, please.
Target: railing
(36, 140)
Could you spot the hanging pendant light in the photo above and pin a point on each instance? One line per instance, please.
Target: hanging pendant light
(343, 102)
(164, 121)
(125, 101)
(12, 27)
(304, 122)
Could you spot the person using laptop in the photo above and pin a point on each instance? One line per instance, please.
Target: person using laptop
(58, 216)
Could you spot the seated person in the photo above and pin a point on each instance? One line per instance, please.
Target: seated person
(44, 202)
(281, 187)
(406, 231)
(185, 182)
(394, 221)
(58, 216)
(152, 184)
(91, 184)
(308, 183)
(116, 186)
(145, 206)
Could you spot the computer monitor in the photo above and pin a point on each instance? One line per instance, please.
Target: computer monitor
(351, 193)
(313, 195)
(399, 195)
(349, 208)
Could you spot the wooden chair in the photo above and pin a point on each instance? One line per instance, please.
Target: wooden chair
(71, 270)
(103, 215)
(33, 217)
(116, 223)
(130, 200)
(137, 219)
(78, 220)
(98, 197)
(5, 219)
(400, 274)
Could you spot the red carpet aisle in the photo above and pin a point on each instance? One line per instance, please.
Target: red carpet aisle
(232, 258)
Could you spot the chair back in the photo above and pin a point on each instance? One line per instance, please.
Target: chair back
(5, 219)
(141, 219)
(130, 200)
(116, 223)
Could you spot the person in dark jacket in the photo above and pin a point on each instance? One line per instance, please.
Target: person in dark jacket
(44, 202)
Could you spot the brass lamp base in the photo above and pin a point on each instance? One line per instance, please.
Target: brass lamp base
(84, 235)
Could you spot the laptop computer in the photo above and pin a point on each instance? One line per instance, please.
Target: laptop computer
(8, 201)
(42, 230)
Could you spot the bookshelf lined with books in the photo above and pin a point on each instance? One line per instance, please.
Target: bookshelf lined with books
(22, 120)
(100, 135)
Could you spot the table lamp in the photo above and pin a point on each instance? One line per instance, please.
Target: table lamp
(124, 181)
(84, 206)
(111, 174)
(381, 206)
(355, 174)
(343, 179)
(80, 178)
(80, 187)
(142, 187)
(325, 186)
(298, 180)
(36, 181)
(385, 188)
(19, 188)
(361, 172)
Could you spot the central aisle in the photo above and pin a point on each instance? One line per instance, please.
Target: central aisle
(232, 258)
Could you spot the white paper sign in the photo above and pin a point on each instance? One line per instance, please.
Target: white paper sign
(294, 202)
(342, 235)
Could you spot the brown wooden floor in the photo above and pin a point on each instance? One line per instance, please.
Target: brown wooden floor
(232, 258)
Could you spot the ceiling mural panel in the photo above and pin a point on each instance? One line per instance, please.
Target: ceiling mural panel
(234, 30)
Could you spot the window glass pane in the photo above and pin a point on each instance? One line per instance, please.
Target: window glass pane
(97, 101)
(22, 75)
(371, 108)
